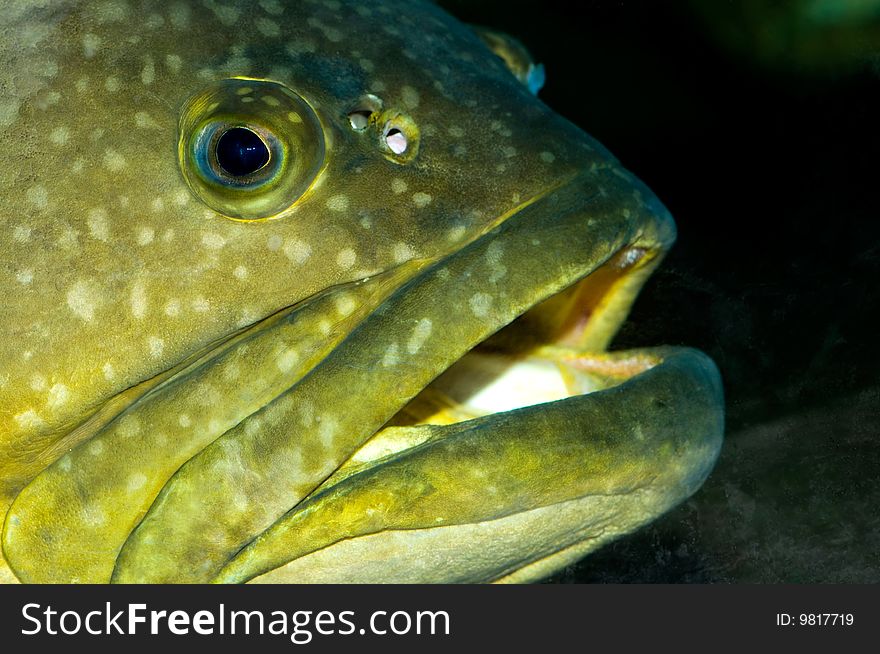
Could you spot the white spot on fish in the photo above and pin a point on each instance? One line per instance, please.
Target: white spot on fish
(271, 7)
(179, 14)
(346, 258)
(59, 394)
(547, 157)
(109, 372)
(410, 97)
(172, 308)
(114, 161)
(398, 186)
(481, 304)
(240, 272)
(274, 242)
(138, 300)
(156, 345)
(9, 111)
(148, 74)
(201, 305)
(421, 200)
(455, 233)
(97, 221)
(173, 62)
(24, 277)
(402, 252)
(90, 43)
(96, 448)
(391, 356)
(143, 120)
(327, 431)
(298, 251)
(136, 482)
(60, 135)
(93, 516)
(287, 360)
(29, 419)
(268, 28)
(338, 203)
(38, 196)
(213, 241)
(184, 420)
(225, 14)
(82, 300)
(419, 335)
(154, 22)
(21, 233)
(145, 235)
(112, 84)
(345, 305)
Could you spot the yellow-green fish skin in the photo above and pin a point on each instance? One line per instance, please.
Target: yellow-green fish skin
(262, 335)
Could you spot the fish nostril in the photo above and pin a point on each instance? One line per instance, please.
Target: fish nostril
(364, 112)
(396, 141)
(396, 134)
(360, 119)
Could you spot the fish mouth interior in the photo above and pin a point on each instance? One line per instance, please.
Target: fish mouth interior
(544, 355)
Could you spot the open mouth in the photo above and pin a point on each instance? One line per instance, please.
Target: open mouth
(362, 412)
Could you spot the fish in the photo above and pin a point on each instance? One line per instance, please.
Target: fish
(318, 291)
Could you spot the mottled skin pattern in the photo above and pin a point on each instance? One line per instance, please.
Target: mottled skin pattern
(141, 327)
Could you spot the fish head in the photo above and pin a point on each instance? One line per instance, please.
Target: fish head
(243, 238)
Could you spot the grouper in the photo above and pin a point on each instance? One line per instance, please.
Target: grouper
(318, 291)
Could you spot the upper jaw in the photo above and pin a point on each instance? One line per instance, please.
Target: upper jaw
(418, 328)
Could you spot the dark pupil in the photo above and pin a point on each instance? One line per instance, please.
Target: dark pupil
(240, 152)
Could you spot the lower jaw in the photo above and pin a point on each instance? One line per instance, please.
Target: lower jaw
(583, 446)
(508, 496)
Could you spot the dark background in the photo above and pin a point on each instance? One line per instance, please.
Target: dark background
(767, 153)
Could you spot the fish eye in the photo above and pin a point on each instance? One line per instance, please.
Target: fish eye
(241, 152)
(250, 149)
